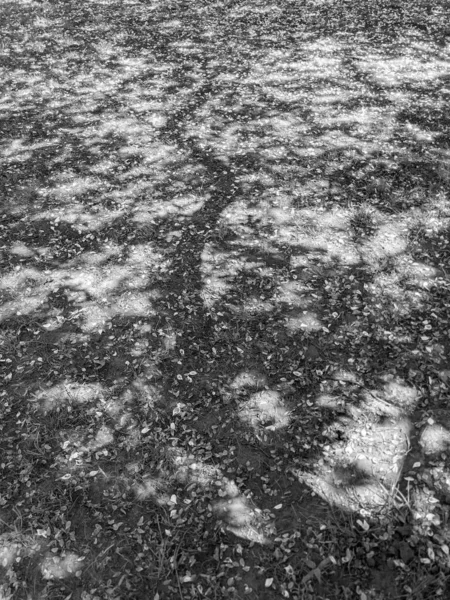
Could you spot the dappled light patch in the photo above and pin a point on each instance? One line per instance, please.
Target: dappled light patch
(138, 306)
(403, 69)
(397, 392)
(70, 186)
(435, 438)
(224, 282)
(421, 274)
(435, 435)
(67, 394)
(25, 281)
(59, 567)
(304, 321)
(244, 521)
(265, 410)
(296, 293)
(216, 281)
(8, 553)
(360, 469)
(152, 488)
(248, 379)
(329, 242)
(387, 287)
(147, 394)
(198, 472)
(108, 253)
(11, 308)
(115, 408)
(21, 250)
(388, 241)
(329, 401)
(19, 552)
(103, 437)
(281, 217)
(234, 512)
(364, 497)
(424, 506)
(96, 318)
(343, 375)
(439, 481)
(257, 305)
(15, 546)
(105, 289)
(188, 205)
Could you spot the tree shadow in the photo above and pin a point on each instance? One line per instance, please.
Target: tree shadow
(200, 258)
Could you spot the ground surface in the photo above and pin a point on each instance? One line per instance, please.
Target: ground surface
(224, 300)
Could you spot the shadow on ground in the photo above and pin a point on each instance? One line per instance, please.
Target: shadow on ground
(224, 261)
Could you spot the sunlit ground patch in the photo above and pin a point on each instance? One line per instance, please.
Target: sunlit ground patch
(60, 567)
(234, 511)
(218, 268)
(265, 410)
(151, 488)
(296, 293)
(404, 69)
(22, 290)
(248, 379)
(303, 321)
(243, 520)
(15, 546)
(256, 305)
(426, 509)
(67, 394)
(360, 472)
(435, 437)
(388, 241)
(398, 393)
(151, 139)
